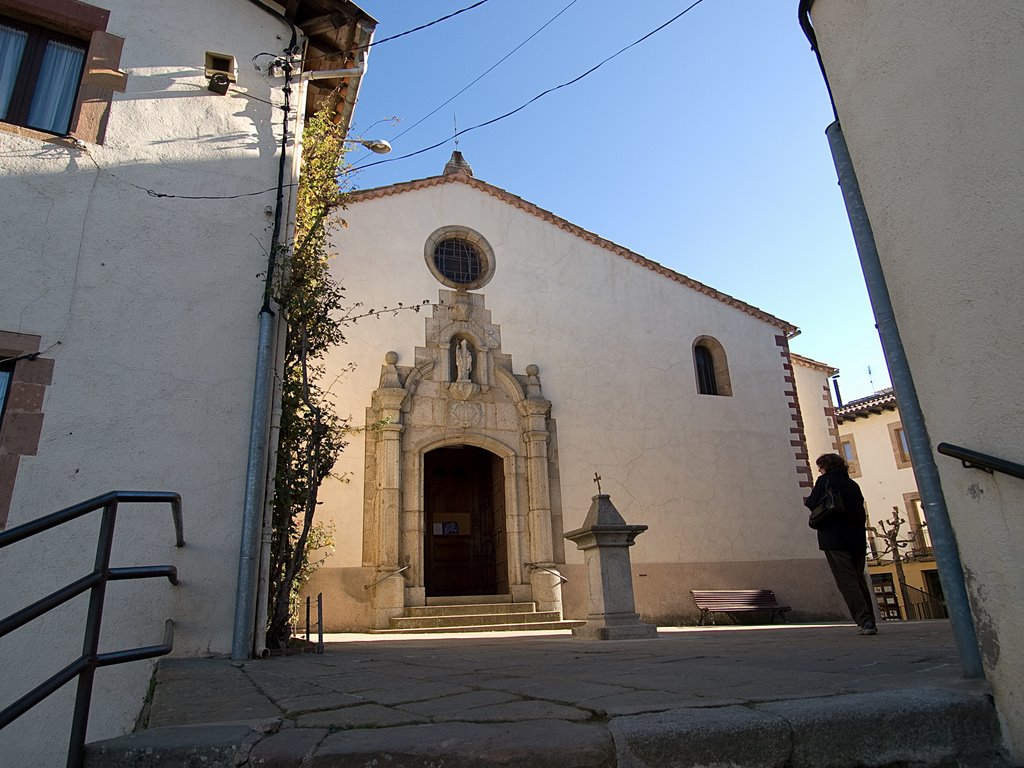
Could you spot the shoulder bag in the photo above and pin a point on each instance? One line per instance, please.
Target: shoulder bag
(828, 509)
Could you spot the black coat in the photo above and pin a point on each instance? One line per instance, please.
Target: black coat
(847, 531)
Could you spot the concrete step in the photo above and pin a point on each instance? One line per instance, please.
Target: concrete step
(474, 619)
(498, 627)
(466, 609)
(923, 728)
(469, 599)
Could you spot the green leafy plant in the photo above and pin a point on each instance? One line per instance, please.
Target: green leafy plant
(312, 436)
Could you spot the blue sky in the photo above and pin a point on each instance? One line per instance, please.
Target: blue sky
(702, 148)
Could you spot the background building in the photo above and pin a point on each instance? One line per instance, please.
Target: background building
(873, 440)
(817, 408)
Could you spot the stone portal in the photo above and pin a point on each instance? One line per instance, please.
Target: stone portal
(461, 494)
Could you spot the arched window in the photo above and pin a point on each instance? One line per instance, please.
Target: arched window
(711, 367)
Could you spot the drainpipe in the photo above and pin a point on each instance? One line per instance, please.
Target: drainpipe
(263, 582)
(255, 471)
(944, 544)
(328, 74)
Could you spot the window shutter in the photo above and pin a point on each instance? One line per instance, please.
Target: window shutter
(99, 81)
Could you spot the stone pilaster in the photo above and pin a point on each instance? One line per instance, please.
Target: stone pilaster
(544, 580)
(388, 596)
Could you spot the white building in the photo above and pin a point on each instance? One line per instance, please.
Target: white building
(140, 204)
(817, 408)
(550, 355)
(928, 93)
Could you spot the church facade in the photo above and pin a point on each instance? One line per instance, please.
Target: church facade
(542, 358)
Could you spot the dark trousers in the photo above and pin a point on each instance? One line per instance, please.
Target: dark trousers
(848, 571)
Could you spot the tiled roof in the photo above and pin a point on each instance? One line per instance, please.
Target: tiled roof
(807, 362)
(568, 226)
(883, 400)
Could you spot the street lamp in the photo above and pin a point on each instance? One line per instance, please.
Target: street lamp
(380, 146)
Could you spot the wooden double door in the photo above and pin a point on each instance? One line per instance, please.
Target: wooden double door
(465, 551)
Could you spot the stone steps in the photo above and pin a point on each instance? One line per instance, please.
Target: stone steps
(459, 609)
(505, 627)
(488, 613)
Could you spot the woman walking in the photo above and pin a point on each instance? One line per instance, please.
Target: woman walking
(843, 538)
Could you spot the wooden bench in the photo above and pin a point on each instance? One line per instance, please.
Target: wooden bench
(737, 601)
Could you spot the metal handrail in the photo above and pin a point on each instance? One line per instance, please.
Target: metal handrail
(387, 576)
(975, 460)
(925, 605)
(84, 667)
(562, 579)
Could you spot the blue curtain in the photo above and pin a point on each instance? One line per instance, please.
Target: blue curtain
(56, 89)
(5, 386)
(12, 45)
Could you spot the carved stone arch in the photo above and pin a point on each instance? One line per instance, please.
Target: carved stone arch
(476, 439)
(472, 332)
(412, 382)
(510, 385)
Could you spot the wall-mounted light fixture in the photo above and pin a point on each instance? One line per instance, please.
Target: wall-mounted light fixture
(221, 71)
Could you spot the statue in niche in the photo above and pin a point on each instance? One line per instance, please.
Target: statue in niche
(462, 387)
(463, 360)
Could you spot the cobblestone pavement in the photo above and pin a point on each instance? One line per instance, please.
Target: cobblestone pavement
(782, 695)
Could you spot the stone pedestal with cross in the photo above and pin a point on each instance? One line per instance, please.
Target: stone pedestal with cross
(605, 540)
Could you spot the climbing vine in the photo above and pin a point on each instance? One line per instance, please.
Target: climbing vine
(312, 436)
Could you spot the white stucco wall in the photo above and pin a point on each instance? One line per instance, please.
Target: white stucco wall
(148, 306)
(715, 478)
(929, 95)
(816, 406)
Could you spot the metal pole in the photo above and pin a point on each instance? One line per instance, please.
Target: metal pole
(248, 556)
(91, 642)
(943, 538)
(320, 622)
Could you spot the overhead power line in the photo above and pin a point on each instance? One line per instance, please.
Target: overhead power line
(540, 95)
(375, 43)
(154, 193)
(424, 26)
(485, 72)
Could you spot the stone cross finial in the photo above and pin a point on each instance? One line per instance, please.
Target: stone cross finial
(597, 479)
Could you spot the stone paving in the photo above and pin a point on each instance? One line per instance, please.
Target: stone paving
(785, 695)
